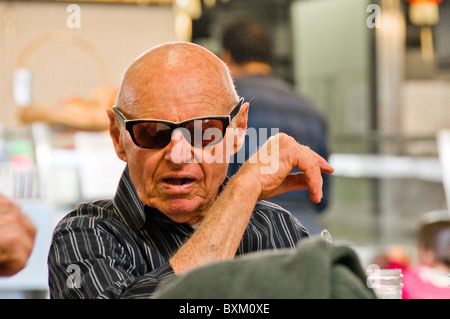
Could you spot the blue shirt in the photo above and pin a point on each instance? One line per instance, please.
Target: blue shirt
(274, 104)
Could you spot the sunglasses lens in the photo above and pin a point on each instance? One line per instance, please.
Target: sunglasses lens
(152, 134)
(205, 132)
(198, 132)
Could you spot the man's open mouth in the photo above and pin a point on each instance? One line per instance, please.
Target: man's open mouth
(178, 181)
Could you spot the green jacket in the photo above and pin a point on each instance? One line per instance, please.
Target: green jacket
(316, 269)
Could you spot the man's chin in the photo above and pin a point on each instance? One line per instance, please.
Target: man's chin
(181, 210)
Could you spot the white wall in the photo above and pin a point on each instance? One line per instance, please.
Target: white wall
(331, 42)
(118, 32)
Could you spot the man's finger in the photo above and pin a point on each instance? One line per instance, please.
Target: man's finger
(296, 181)
(299, 181)
(325, 167)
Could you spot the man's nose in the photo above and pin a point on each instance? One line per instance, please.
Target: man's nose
(179, 150)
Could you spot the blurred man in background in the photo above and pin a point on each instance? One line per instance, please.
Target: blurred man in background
(274, 104)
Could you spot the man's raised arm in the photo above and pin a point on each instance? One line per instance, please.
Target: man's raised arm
(265, 175)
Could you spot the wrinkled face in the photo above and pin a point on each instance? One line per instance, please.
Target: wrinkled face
(179, 179)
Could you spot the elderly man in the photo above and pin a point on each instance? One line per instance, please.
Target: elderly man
(175, 209)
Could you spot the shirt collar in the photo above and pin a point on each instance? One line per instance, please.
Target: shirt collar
(131, 209)
(127, 202)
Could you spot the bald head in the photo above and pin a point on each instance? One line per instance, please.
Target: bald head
(176, 72)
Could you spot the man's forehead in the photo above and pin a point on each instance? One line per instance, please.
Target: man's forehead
(175, 111)
(177, 89)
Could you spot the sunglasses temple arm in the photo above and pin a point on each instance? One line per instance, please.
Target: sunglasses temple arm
(119, 116)
(236, 110)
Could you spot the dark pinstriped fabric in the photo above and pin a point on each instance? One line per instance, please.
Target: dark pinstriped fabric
(122, 248)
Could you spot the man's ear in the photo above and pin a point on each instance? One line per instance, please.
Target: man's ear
(115, 132)
(241, 126)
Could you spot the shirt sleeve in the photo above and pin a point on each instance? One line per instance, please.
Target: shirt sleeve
(141, 288)
(92, 262)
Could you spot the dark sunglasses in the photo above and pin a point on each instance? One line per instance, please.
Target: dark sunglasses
(200, 132)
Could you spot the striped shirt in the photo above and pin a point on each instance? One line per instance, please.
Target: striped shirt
(121, 248)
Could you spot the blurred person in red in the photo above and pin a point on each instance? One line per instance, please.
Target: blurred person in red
(430, 278)
(394, 257)
(17, 235)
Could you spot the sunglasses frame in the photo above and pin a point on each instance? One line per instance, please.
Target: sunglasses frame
(225, 119)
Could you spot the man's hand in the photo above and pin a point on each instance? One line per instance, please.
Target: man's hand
(272, 164)
(17, 235)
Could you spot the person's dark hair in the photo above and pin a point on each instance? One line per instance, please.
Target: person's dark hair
(247, 41)
(435, 236)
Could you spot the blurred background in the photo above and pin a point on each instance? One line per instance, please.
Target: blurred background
(378, 69)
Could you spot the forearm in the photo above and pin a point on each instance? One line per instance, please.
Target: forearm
(220, 233)
(264, 175)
